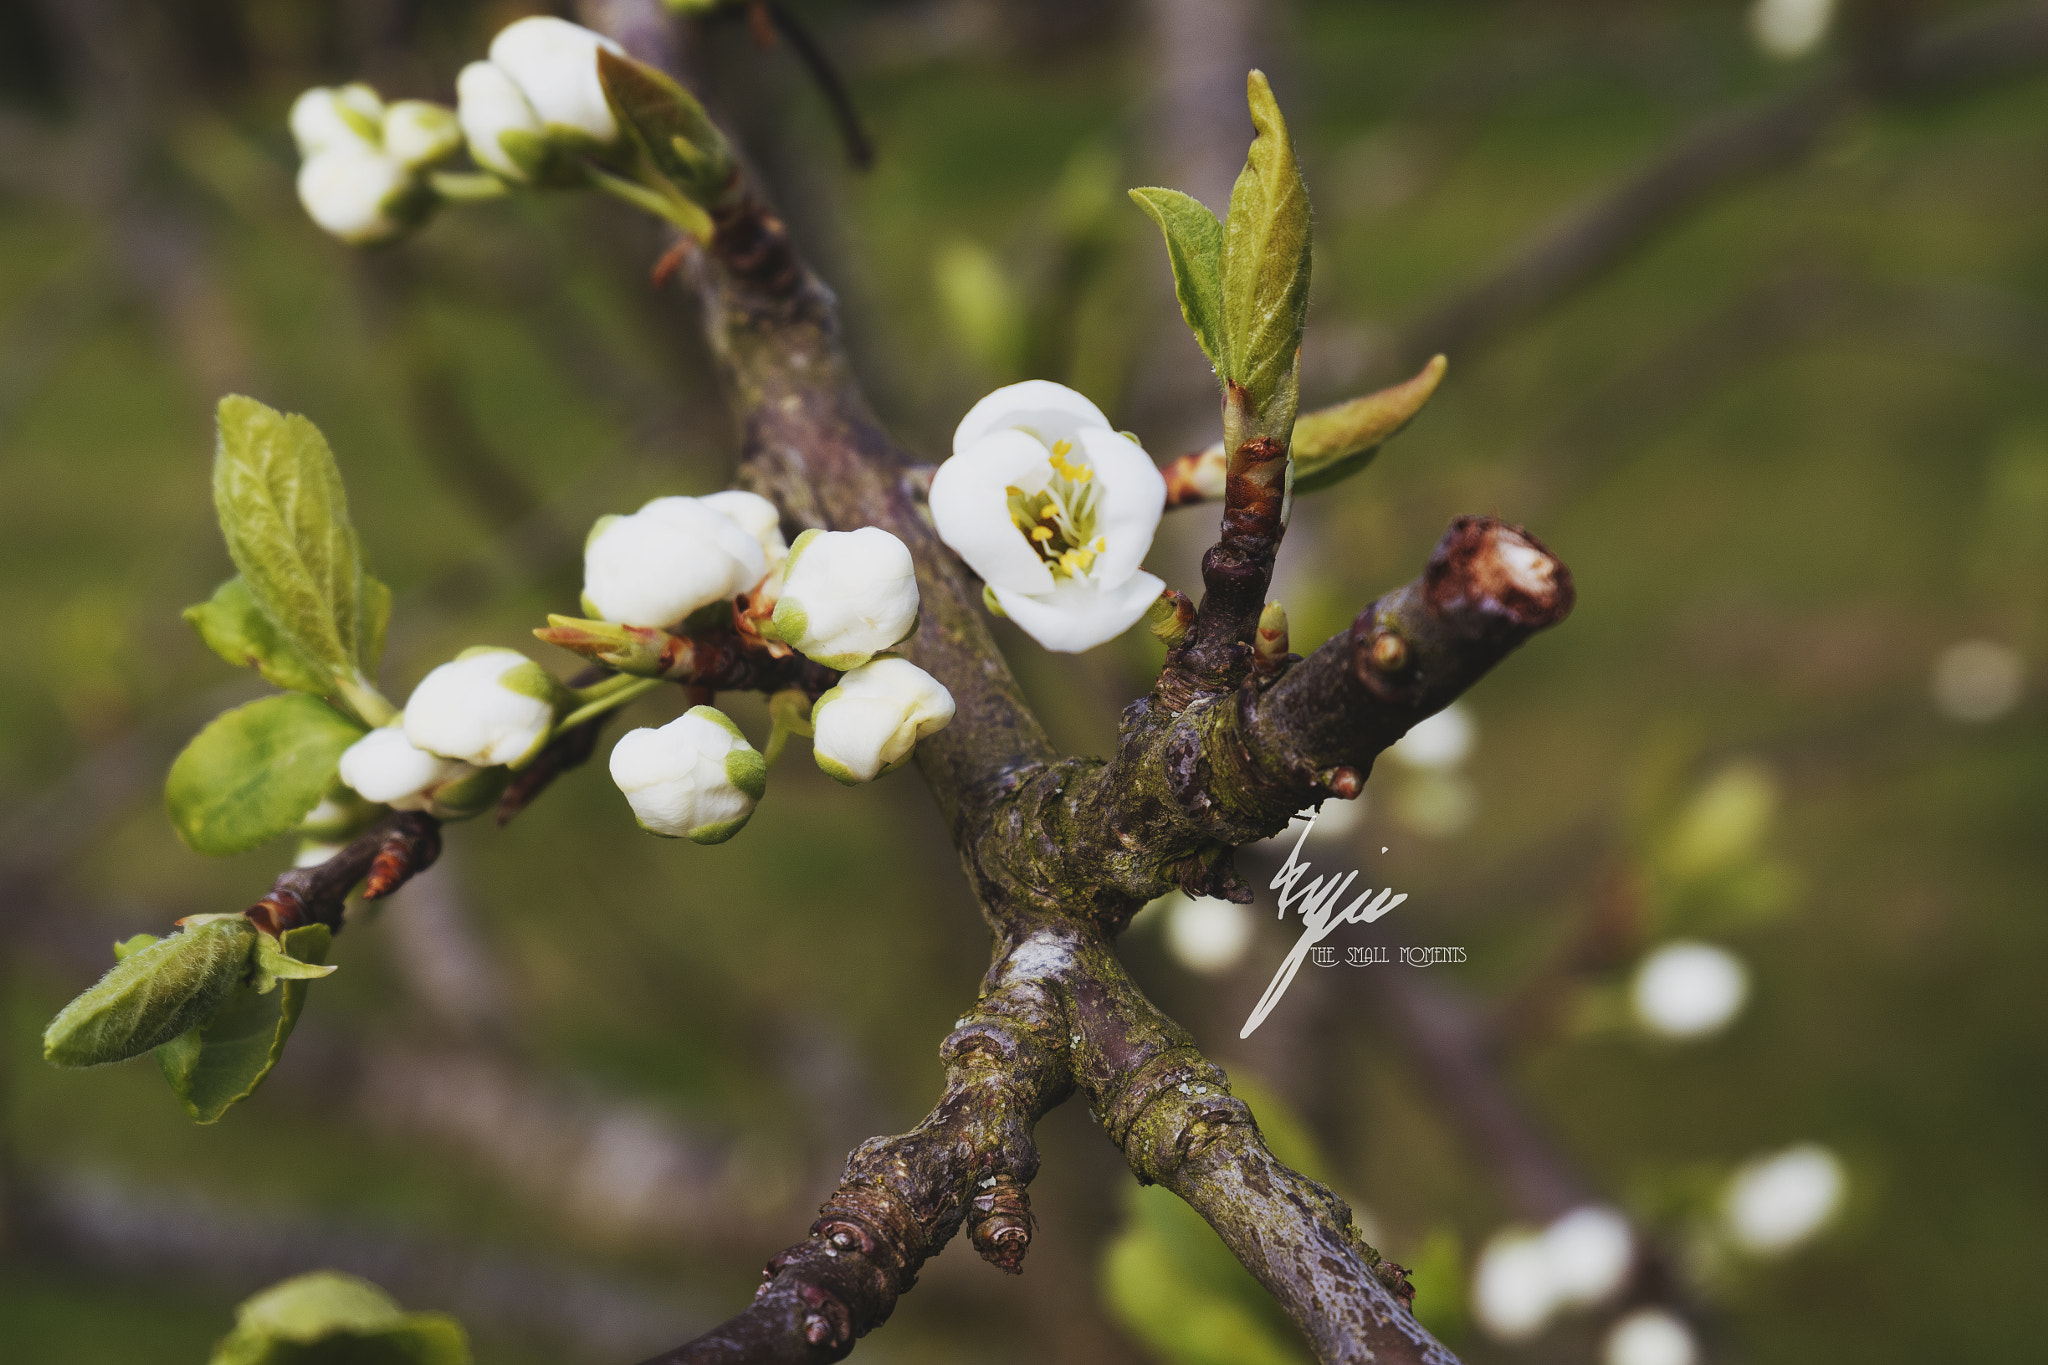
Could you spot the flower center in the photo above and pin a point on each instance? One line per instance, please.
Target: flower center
(1059, 519)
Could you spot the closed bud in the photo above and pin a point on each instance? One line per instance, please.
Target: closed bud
(487, 707)
(554, 63)
(326, 117)
(490, 105)
(869, 724)
(846, 595)
(666, 560)
(1271, 641)
(419, 133)
(757, 516)
(695, 778)
(358, 193)
(386, 767)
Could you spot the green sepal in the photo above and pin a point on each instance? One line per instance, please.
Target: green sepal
(274, 964)
(1265, 257)
(1194, 247)
(670, 126)
(256, 771)
(234, 627)
(747, 770)
(327, 1318)
(152, 994)
(219, 1063)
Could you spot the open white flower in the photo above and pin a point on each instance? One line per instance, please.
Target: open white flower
(336, 116)
(761, 518)
(673, 556)
(868, 724)
(490, 104)
(695, 778)
(487, 706)
(419, 133)
(1055, 511)
(355, 192)
(554, 63)
(386, 767)
(846, 595)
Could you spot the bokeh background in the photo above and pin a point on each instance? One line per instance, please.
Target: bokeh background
(578, 1083)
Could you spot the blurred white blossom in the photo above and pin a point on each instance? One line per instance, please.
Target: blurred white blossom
(1977, 680)
(1790, 28)
(1207, 935)
(1525, 1277)
(1689, 990)
(1590, 1250)
(1443, 740)
(554, 63)
(1774, 1203)
(1650, 1336)
(490, 104)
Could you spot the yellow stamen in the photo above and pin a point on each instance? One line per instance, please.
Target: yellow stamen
(1060, 448)
(1041, 533)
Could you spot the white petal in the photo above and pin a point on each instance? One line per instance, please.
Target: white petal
(319, 118)
(419, 133)
(1078, 615)
(761, 519)
(856, 592)
(653, 569)
(489, 102)
(385, 766)
(1133, 499)
(555, 64)
(1052, 412)
(345, 189)
(697, 518)
(463, 710)
(971, 509)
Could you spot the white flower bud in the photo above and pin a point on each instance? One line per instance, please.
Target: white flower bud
(488, 706)
(761, 518)
(695, 778)
(355, 193)
(555, 64)
(326, 117)
(1055, 511)
(846, 595)
(1776, 1202)
(419, 133)
(868, 724)
(1689, 990)
(489, 104)
(666, 560)
(384, 766)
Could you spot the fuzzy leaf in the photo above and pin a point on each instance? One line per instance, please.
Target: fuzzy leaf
(256, 771)
(1265, 256)
(327, 1318)
(152, 994)
(220, 1063)
(234, 627)
(285, 518)
(1194, 246)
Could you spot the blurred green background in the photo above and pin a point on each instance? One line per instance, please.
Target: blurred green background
(578, 1084)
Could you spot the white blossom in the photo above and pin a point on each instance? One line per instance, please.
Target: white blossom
(1443, 740)
(673, 556)
(1650, 1336)
(1978, 680)
(1513, 1294)
(1774, 1203)
(1055, 511)
(489, 104)
(488, 706)
(326, 117)
(695, 778)
(1790, 28)
(846, 595)
(868, 724)
(554, 63)
(761, 518)
(355, 192)
(1689, 990)
(418, 133)
(386, 767)
(1590, 1250)
(1205, 934)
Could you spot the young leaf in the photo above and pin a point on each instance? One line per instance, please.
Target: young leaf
(1334, 443)
(256, 771)
(1194, 246)
(668, 123)
(152, 994)
(234, 627)
(285, 518)
(327, 1318)
(220, 1062)
(374, 625)
(1265, 256)
(275, 963)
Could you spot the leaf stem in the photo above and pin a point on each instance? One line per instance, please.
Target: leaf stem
(609, 695)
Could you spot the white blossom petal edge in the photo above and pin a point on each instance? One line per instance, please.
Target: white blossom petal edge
(488, 706)
(1055, 511)
(868, 724)
(554, 63)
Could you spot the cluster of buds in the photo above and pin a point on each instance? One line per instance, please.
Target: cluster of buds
(465, 726)
(363, 174)
(537, 102)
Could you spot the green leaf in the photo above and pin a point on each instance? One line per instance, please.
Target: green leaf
(152, 994)
(285, 518)
(1175, 1287)
(256, 771)
(680, 139)
(327, 1318)
(1265, 256)
(374, 625)
(221, 1062)
(234, 627)
(1194, 246)
(1334, 443)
